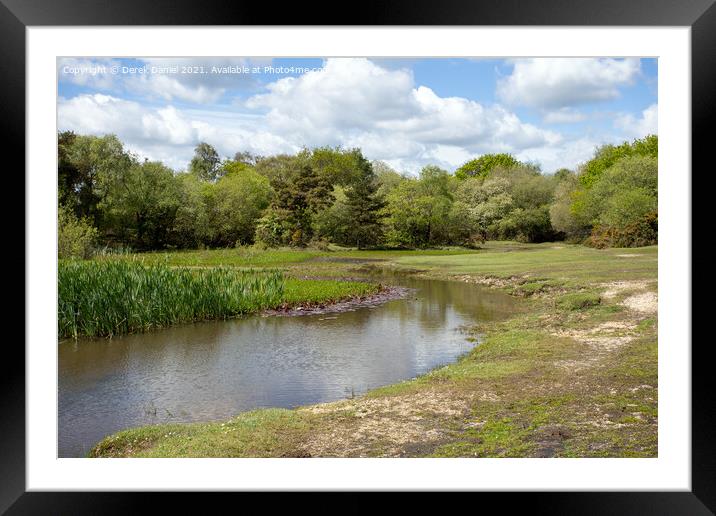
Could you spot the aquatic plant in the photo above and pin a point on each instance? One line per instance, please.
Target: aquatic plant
(105, 298)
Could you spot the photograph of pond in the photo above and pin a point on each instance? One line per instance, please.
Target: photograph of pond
(357, 257)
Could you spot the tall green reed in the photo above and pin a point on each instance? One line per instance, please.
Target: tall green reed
(105, 298)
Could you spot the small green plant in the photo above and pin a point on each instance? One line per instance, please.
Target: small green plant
(578, 301)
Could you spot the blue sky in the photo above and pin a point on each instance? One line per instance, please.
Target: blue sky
(406, 112)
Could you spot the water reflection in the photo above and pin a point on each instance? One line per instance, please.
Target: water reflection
(210, 371)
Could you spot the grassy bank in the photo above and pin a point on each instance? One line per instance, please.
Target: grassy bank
(112, 297)
(574, 375)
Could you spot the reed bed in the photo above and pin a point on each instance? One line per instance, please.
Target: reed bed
(106, 298)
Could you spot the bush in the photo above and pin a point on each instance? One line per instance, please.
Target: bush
(272, 230)
(578, 301)
(75, 237)
(637, 234)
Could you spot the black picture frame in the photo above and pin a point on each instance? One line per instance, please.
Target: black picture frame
(700, 15)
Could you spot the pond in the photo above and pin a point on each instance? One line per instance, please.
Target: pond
(214, 370)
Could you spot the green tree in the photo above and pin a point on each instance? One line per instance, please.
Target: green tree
(246, 157)
(418, 210)
(606, 155)
(482, 166)
(624, 193)
(299, 196)
(386, 176)
(336, 165)
(68, 175)
(563, 174)
(141, 205)
(485, 202)
(206, 162)
(241, 196)
(88, 167)
(192, 226)
(279, 169)
(333, 224)
(363, 206)
(560, 212)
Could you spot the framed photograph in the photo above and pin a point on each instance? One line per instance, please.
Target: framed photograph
(420, 252)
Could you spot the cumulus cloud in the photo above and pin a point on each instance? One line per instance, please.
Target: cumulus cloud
(356, 102)
(547, 83)
(569, 154)
(638, 127)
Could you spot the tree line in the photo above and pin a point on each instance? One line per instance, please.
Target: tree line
(109, 198)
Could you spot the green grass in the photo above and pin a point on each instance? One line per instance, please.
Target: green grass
(570, 264)
(274, 258)
(258, 433)
(578, 301)
(237, 257)
(300, 291)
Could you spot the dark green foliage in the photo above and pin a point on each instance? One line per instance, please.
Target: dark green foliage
(297, 200)
(363, 205)
(140, 205)
(87, 166)
(68, 176)
(562, 174)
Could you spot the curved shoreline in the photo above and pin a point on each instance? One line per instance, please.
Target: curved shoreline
(385, 294)
(549, 381)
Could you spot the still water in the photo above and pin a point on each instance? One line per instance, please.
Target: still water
(213, 370)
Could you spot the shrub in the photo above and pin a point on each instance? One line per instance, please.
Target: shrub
(641, 233)
(75, 237)
(272, 230)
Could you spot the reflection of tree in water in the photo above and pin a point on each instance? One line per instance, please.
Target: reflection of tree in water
(434, 301)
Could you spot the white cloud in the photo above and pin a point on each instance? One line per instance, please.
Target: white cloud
(550, 83)
(647, 123)
(569, 154)
(165, 133)
(356, 102)
(565, 115)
